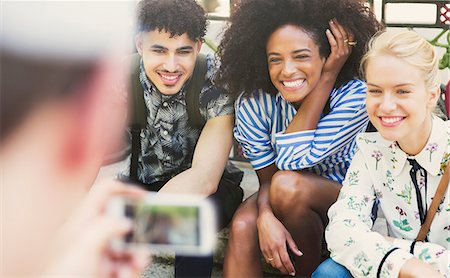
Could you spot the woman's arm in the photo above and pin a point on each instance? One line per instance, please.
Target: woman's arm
(349, 236)
(308, 115)
(308, 139)
(336, 130)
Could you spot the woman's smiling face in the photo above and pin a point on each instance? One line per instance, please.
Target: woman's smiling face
(398, 102)
(294, 62)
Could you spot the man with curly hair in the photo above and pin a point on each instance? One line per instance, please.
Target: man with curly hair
(294, 65)
(176, 157)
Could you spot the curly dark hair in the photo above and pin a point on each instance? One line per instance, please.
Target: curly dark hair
(242, 51)
(174, 16)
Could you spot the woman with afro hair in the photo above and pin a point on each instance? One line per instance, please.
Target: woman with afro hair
(293, 65)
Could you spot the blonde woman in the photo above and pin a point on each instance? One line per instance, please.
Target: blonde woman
(400, 165)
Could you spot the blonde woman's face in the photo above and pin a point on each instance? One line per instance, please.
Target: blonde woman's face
(398, 103)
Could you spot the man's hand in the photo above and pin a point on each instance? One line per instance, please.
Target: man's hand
(82, 247)
(273, 237)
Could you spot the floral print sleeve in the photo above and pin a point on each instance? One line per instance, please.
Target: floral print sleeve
(349, 236)
(381, 170)
(434, 254)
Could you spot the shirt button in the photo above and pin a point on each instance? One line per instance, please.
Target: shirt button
(165, 104)
(165, 132)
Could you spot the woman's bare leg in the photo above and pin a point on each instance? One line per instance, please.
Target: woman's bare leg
(300, 200)
(242, 257)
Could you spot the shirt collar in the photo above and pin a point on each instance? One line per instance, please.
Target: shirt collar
(429, 157)
(279, 97)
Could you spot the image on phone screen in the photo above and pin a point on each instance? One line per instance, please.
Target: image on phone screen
(163, 224)
(183, 224)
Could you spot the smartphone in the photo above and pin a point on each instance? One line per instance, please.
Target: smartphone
(184, 224)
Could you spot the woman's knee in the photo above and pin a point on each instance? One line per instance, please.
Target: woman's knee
(289, 188)
(243, 226)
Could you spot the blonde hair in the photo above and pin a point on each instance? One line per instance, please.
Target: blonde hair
(408, 46)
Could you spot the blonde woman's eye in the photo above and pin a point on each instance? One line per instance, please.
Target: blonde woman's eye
(402, 92)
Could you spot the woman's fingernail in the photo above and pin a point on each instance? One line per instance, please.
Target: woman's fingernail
(331, 21)
(292, 274)
(301, 253)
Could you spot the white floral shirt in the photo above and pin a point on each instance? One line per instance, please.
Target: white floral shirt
(380, 170)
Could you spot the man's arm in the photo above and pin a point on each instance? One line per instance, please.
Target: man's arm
(210, 157)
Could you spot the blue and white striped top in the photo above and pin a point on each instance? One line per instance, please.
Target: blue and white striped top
(262, 118)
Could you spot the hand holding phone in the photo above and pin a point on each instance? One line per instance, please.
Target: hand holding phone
(184, 224)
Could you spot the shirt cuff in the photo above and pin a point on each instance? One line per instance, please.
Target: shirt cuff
(261, 162)
(394, 262)
(296, 139)
(403, 244)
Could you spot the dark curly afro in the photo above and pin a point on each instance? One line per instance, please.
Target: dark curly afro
(174, 16)
(242, 51)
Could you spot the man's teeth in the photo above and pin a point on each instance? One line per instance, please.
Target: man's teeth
(391, 120)
(292, 84)
(169, 77)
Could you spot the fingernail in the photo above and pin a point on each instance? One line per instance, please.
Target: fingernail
(328, 31)
(331, 21)
(301, 253)
(292, 273)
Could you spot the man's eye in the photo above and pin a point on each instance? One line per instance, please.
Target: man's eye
(300, 57)
(184, 52)
(158, 51)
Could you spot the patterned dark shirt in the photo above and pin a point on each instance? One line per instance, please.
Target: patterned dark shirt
(168, 141)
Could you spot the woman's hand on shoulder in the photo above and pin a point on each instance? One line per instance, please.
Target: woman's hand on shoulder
(340, 42)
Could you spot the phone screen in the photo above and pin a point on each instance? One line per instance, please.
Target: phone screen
(167, 223)
(163, 224)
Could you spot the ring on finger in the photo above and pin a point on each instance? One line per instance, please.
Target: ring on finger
(269, 259)
(346, 40)
(352, 43)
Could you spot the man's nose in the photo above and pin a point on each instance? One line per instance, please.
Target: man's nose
(171, 63)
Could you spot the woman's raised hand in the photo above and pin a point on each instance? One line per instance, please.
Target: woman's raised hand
(341, 43)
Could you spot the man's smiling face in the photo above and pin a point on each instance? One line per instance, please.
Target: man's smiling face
(168, 61)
